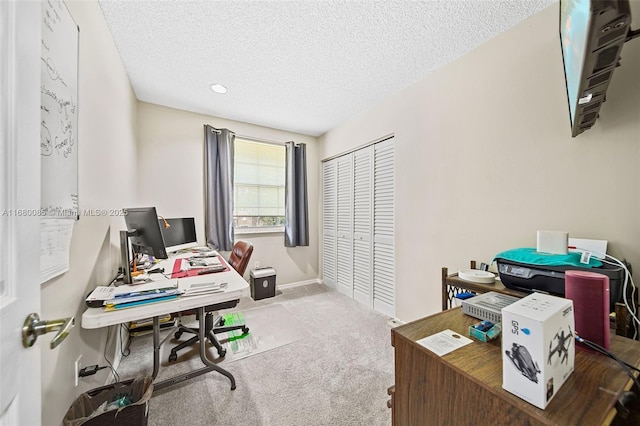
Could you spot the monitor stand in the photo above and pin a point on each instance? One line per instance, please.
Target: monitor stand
(125, 257)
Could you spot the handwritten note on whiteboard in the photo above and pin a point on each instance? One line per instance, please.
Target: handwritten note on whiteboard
(59, 110)
(58, 136)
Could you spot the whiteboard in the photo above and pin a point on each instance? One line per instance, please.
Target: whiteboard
(58, 137)
(59, 111)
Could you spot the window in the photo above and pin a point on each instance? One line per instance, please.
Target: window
(259, 179)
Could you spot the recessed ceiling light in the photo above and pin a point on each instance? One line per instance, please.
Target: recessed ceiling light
(218, 88)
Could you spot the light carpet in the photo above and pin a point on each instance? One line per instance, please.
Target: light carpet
(270, 327)
(337, 373)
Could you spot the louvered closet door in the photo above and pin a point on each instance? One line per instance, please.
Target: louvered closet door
(345, 224)
(329, 223)
(362, 218)
(384, 228)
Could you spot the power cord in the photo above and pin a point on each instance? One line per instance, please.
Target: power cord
(627, 397)
(625, 366)
(124, 350)
(116, 376)
(91, 370)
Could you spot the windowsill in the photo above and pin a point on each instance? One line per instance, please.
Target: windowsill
(265, 230)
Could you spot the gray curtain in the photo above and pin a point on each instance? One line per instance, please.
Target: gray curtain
(296, 216)
(218, 187)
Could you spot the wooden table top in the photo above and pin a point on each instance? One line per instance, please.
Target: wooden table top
(587, 397)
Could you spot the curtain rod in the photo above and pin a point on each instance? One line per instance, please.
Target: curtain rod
(251, 138)
(218, 131)
(254, 139)
(382, 139)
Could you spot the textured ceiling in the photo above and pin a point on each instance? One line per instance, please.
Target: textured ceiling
(301, 66)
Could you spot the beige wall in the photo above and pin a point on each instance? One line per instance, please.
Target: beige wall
(106, 168)
(484, 159)
(170, 177)
(131, 154)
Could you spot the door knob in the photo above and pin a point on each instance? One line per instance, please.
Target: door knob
(33, 328)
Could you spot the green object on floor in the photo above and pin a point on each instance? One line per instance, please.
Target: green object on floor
(233, 335)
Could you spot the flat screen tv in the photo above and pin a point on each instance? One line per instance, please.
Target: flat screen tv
(592, 34)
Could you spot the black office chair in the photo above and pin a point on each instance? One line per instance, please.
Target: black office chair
(239, 259)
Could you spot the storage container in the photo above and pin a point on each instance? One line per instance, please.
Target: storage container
(119, 404)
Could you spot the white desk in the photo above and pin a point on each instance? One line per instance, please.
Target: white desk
(236, 288)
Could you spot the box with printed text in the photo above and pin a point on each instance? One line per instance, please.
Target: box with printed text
(538, 348)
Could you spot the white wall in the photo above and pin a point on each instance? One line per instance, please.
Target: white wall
(106, 169)
(170, 177)
(484, 159)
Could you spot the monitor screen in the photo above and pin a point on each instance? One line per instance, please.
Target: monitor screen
(181, 233)
(144, 232)
(574, 26)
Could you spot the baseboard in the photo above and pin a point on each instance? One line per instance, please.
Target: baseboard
(299, 283)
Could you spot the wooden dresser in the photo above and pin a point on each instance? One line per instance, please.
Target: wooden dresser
(464, 387)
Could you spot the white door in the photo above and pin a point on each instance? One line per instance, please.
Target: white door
(362, 218)
(329, 274)
(344, 259)
(20, 389)
(384, 228)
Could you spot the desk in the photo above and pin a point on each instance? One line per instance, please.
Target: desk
(236, 288)
(465, 386)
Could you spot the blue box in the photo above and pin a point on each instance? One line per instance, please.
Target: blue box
(483, 334)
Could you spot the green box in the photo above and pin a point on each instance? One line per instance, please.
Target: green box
(485, 336)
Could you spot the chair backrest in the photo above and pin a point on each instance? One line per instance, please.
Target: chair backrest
(240, 255)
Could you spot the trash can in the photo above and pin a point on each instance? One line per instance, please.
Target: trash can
(263, 283)
(119, 404)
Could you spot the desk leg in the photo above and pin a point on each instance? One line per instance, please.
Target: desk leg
(203, 353)
(156, 346)
(210, 366)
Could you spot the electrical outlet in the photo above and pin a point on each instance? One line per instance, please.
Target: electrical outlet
(76, 367)
(256, 264)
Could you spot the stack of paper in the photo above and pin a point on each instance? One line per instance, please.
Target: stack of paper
(126, 296)
(205, 288)
(145, 326)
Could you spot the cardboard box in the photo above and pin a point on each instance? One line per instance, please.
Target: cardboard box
(538, 347)
(484, 332)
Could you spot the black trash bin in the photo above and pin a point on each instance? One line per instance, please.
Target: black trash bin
(119, 404)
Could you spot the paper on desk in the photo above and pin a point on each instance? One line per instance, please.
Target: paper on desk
(101, 293)
(106, 293)
(204, 288)
(444, 342)
(147, 286)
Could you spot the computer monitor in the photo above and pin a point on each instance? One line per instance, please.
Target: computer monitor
(181, 233)
(143, 234)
